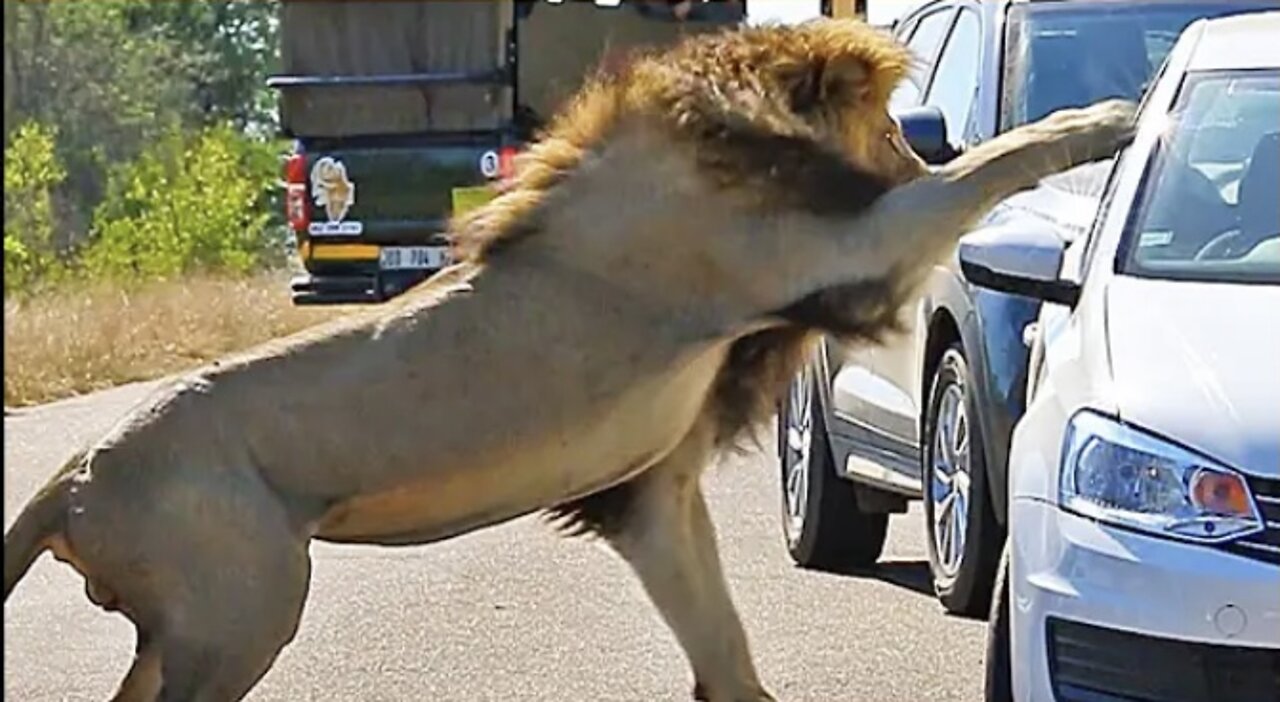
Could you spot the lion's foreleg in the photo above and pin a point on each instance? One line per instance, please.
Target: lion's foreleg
(903, 233)
(667, 536)
(1019, 158)
(926, 217)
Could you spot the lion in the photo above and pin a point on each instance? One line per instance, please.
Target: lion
(632, 304)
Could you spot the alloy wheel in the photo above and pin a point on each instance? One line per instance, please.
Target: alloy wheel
(950, 480)
(799, 447)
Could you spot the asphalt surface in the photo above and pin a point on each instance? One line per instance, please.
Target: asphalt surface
(514, 612)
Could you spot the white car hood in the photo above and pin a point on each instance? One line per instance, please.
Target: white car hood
(1200, 364)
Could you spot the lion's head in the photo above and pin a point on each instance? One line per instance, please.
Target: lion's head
(825, 80)
(855, 69)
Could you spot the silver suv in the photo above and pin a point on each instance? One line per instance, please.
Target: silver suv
(929, 415)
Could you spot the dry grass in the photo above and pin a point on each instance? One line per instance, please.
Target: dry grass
(91, 337)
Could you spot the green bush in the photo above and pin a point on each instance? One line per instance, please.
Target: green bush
(111, 76)
(114, 160)
(190, 201)
(31, 172)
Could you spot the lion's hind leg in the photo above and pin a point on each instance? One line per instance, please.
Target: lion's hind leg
(659, 523)
(216, 637)
(208, 567)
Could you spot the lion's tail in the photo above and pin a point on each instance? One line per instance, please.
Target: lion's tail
(42, 518)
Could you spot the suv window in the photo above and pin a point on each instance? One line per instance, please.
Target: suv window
(923, 44)
(954, 87)
(1068, 54)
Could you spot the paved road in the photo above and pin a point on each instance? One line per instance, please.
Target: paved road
(514, 612)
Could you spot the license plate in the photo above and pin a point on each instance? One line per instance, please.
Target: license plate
(392, 258)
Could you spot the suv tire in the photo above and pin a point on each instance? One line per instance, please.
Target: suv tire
(962, 533)
(821, 521)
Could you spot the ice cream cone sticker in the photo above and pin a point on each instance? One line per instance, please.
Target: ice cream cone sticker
(331, 188)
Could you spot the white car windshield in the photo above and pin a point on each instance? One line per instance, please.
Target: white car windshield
(1209, 208)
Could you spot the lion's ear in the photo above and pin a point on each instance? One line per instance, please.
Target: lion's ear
(846, 80)
(805, 89)
(841, 81)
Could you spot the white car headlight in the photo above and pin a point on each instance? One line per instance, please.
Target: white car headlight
(1118, 474)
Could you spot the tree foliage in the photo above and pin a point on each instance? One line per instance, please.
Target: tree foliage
(117, 88)
(75, 67)
(192, 201)
(31, 172)
(227, 49)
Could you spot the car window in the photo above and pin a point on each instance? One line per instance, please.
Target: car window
(923, 45)
(1208, 207)
(1071, 54)
(954, 87)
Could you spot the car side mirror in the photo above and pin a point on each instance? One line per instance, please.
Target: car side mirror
(925, 131)
(1019, 259)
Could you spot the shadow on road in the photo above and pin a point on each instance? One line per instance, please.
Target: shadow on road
(910, 575)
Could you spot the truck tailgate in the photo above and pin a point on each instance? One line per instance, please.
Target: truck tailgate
(402, 194)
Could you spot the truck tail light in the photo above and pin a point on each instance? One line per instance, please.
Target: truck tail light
(296, 209)
(506, 162)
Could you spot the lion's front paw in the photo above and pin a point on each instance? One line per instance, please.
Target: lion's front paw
(1090, 133)
(1116, 113)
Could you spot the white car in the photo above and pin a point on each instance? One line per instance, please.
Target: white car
(1143, 558)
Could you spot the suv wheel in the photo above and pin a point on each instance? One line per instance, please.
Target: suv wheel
(962, 533)
(820, 517)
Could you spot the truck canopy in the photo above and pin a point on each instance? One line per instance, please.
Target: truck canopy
(362, 67)
(427, 66)
(560, 43)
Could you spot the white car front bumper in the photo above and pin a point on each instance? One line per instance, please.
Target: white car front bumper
(1096, 609)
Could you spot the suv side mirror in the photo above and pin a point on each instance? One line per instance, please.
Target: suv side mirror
(925, 131)
(1020, 259)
